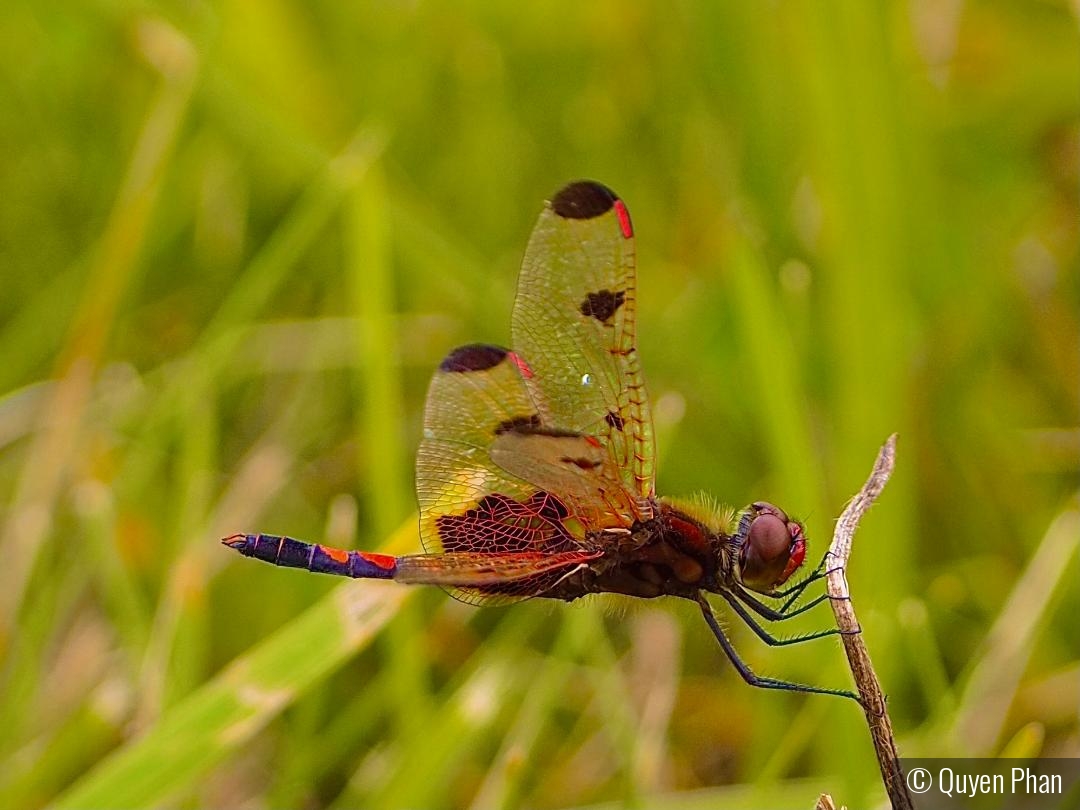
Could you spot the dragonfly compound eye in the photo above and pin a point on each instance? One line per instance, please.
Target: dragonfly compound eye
(773, 549)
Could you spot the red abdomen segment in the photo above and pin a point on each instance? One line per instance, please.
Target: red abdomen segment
(290, 553)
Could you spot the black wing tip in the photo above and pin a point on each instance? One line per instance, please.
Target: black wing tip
(473, 357)
(583, 199)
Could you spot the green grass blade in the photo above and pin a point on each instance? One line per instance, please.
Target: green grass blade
(205, 728)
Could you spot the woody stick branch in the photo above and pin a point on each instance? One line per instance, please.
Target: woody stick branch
(866, 681)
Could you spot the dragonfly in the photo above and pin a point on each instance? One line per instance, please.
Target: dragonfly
(535, 475)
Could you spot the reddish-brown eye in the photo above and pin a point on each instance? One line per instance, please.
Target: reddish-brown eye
(773, 549)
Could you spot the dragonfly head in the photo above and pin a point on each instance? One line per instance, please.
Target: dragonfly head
(770, 547)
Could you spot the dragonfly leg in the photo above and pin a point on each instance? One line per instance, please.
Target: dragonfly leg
(776, 614)
(769, 638)
(819, 573)
(758, 680)
(772, 615)
(795, 591)
(799, 586)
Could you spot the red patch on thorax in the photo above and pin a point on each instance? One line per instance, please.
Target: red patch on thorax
(690, 532)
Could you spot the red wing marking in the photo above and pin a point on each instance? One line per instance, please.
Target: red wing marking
(624, 220)
(523, 367)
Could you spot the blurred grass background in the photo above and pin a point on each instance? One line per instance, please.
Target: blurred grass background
(237, 237)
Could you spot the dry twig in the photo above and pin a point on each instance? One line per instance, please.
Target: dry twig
(866, 681)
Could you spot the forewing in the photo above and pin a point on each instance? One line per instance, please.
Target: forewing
(574, 321)
(469, 505)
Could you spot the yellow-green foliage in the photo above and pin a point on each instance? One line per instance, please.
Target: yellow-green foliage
(236, 238)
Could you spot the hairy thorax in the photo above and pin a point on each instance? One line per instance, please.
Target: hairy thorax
(672, 554)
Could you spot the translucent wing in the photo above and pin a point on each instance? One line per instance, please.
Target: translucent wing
(526, 453)
(574, 321)
(577, 467)
(478, 577)
(472, 508)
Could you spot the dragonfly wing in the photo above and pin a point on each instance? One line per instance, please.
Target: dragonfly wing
(487, 578)
(469, 504)
(532, 450)
(574, 321)
(579, 468)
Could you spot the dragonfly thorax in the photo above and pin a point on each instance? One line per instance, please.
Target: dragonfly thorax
(672, 554)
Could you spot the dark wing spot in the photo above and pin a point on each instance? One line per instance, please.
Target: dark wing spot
(474, 357)
(614, 420)
(583, 199)
(519, 424)
(494, 505)
(581, 463)
(531, 426)
(558, 433)
(602, 305)
(548, 505)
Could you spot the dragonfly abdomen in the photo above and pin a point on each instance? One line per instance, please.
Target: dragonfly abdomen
(292, 553)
